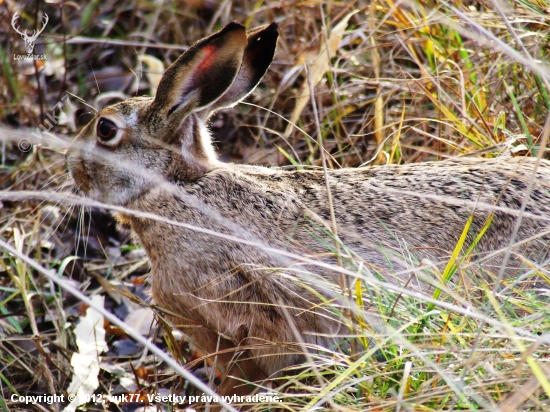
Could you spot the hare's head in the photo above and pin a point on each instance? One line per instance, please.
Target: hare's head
(129, 146)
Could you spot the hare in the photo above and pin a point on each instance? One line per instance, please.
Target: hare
(234, 248)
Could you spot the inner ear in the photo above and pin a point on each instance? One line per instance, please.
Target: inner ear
(202, 74)
(258, 55)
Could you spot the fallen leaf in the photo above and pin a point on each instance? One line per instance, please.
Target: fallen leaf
(90, 339)
(318, 68)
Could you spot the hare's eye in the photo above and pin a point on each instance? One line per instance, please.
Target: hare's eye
(106, 130)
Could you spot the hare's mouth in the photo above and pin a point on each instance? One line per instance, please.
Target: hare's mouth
(80, 176)
(84, 188)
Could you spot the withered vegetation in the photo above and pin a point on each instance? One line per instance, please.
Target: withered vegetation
(395, 82)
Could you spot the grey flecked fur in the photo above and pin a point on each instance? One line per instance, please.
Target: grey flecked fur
(229, 294)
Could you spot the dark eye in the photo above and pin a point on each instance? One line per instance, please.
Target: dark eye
(106, 130)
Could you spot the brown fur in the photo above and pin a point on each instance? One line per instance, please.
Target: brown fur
(391, 217)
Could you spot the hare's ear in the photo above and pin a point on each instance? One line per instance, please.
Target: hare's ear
(200, 75)
(258, 55)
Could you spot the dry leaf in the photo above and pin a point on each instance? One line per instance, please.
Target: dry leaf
(90, 339)
(318, 68)
(154, 72)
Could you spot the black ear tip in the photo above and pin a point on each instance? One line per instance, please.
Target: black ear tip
(273, 30)
(269, 31)
(232, 26)
(273, 27)
(264, 35)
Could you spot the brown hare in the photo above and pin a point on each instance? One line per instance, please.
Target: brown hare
(233, 248)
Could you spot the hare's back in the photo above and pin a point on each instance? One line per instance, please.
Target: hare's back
(425, 207)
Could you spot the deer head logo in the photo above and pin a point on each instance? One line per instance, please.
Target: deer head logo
(29, 40)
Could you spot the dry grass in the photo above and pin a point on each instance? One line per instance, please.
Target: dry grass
(410, 81)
